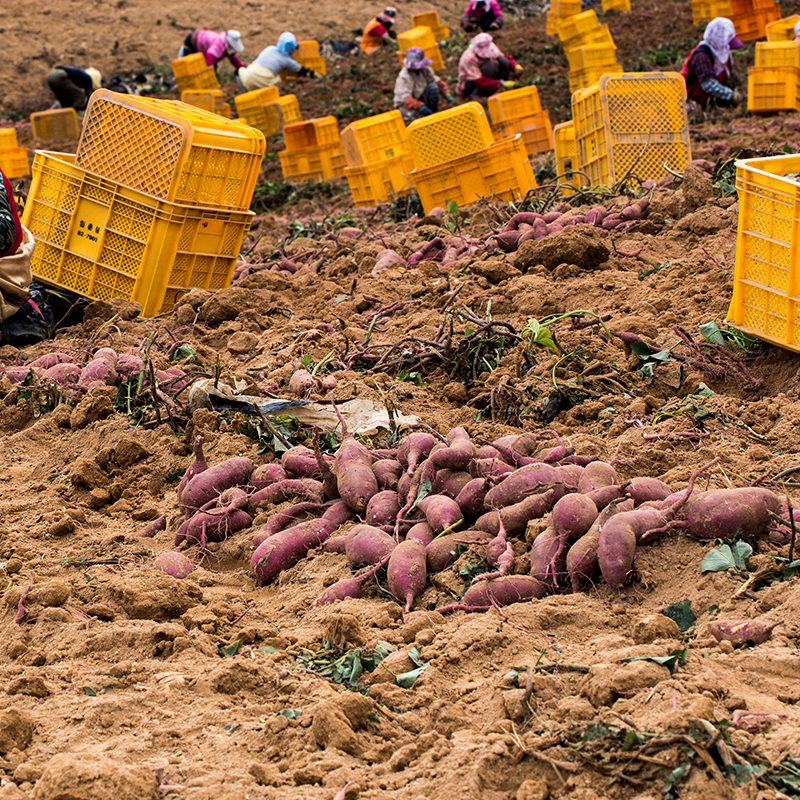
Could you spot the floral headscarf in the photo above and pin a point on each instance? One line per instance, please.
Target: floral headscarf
(719, 35)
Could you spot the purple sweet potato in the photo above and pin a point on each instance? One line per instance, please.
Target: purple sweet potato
(367, 544)
(489, 468)
(459, 451)
(414, 448)
(422, 532)
(406, 573)
(62, 374)
(215, 524)
(213, 481)
(644, 490)
(347, 587)
(196, 467)
(470, 498)
(283, 550)
(49, 360)
(504, 591)
(282, 519)
(441, 512)
(265, 475)
(100, 371)
(383, 508)
(387, 473)
(597, 475)
(174, 564)
(352, 466)
(616, 546)
(546, 565)
(15, 374)
(527, 480)
(152, 528)
(337, 513)
(742, 631)
(572, 516)
(284, 490)
(517, 516)
(605, 495)
(128, 365)
(570, 475)
(450, 482)
(441, 552)
(300, 462)
(725, 513)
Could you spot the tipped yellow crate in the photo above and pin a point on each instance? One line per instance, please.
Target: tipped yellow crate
(591, 55)
(577, 24)
(586, 78)
(311, 133)
(375, 138)
(514, 104)
(633, 121)
(430, 19)
(501, 170)
(382, 180)
(55, 125)
(250, 105)
(566, 158)
(705, 10)
(599, 35)
(449, 134)
(423, 37)
(103, 240)
(312, 163)
(766, 283)
(14, 162)
(616, 5)
(192, 72)
(170, 150)
(535, 130)
(565, 8)
(773, 89)
(782, 30)
(207, 99)
(307, 55)
(778, 54)
(8, 138)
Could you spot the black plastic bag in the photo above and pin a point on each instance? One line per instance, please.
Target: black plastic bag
(32, 323)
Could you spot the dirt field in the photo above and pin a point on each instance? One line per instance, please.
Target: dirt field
(120, 682)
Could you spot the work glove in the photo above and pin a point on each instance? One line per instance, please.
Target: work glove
(509, 84)
(392, 33)
(736, 98)
(305, 72)
(517, 69)
(413, 105)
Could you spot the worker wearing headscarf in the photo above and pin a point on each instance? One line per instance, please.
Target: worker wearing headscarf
(483, 69)
(265, 70)
(417, 89)
(483, 14)
(379, 31)
(708, 68)
(72, 86)
(214, 46)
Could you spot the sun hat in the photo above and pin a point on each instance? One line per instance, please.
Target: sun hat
(234, 40)
(484, 47)
(388, 16)
(415, 58)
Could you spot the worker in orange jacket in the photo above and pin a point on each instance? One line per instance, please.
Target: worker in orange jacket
(379, 31)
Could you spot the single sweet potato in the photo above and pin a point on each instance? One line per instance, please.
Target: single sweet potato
(196, 467)
(459, 451)
(441, 552)
(441, 512)
(213, 481)
(352, 466)
(414, 448)
(450, 482)
(742, 631)
(387, 472)
(283, 550)
(504, 591)
(422, 532)
(347, 587)
(597, 475)
(517, 516)
(174, 564)
(616, 546)
(406, 573)
(284, 490)
(367, 544)
(265, 475)
(726, 513)
(470, 498)
(527, 480)
(383, 508)
(644, 490)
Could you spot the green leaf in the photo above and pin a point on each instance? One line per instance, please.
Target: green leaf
(88, 690)
(424, 490)
(682, 613)
(675, 657)
(718, 560)
(741, 553)
(713, 610)
(231, 728)
(231, 650)
(678, 774)
(711, 333)
(184, 351)
(408, 679)
(452, 207)
(267, 649)
(632, 739)
(290, 713)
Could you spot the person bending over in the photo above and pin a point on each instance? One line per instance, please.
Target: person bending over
(418, 89)
(483, 69)
(72, 86)
(265, 70)
(379, 31)
(709, 67)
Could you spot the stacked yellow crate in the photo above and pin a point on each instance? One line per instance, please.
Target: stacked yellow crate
(782, 30)
(589, 48)
(192, 72)
(307, 55)
(430, 19)
(568, 175)
(313, 150)
(379, 161)
(423, 37)
(773, 84)
(207, 99)
(265, 110)
(519, 111)
(458, 160)
(154, 202)
(751, 17)
(560, 10)
(13, 158)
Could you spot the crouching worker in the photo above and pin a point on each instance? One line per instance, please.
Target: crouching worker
(483, 69)
(483, 14)
(72, 86)
(21, 320)
(265, 70)
(709, 67)
(214, 46)
(379, 31)
(418, 89)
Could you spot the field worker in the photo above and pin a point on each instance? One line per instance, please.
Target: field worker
(483, 69)
(214, 46)
(265, 70)
(378, 31)
(417, 89)
(483, 14)
(72, 86)
(708, 68)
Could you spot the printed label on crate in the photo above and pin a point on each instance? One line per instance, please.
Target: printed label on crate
(208, 235)
(389, 152)
(86, 238)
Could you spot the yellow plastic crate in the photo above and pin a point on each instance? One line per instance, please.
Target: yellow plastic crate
(192, 72)
(311, 133)
(501, 170)
(766, 283)
(317, 64)
(591, 55)
(14, 162)
(430, 19)
(103, 240)
(567, 168)
(782, 30)
(290, 109)
(514, 104)
(307, 54)
(170, 150)
(535, 130)
(705, 10)
(778, 54)
(449, 134)
(632, 122)
(312, 163)
(207, 99)
(419, 36)
(8, 138)
(616, 5)
(586, 78)
(226, 110)
(55, 125)
(773, 89)
(250, 105)
(599, 35)
(577, 24)
(374, 139)
(377, 181)
(551, 26)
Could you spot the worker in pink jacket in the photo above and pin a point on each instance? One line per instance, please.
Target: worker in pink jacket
(214, 46)
(483, 14)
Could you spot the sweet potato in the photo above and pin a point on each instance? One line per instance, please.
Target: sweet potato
(283, 550)
(285, 489)
(422, 532)
(128, 365)
(282, 519)
(352, 466)
(516, 517)
(546, 563)
(300, 462)
(572, 516)
(49, 360)
(459, 452)
(347, 587)
(527, 480)
(489, 468)
(726, 513)
(470, 498)
(174, 564)
(643, 490)
(504, 591)
(265, 475)
(196, 467)
(303, 384)
(742, 631)
(569, 475)
(216, 524)
(414, 448)
(607, 494)
(406, 573)
(441, 512)
(450, 482)
(383, 508)
(152, 528)
(213, 481)
(367, 544)
(487, 451)
(387, 472)
(616, 546)
(100, 371)
(597, 475)
(441, 552)
(62, 374)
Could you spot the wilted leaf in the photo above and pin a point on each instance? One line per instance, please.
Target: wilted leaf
(681, 612)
